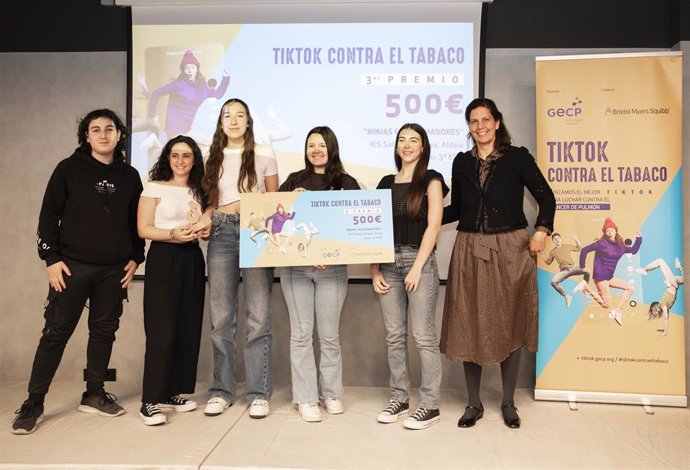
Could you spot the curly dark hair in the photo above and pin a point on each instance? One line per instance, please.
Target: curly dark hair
(503, 139)
(417, 188)
(83, 131)
(334, 166)
(161, 170)
(247, 178)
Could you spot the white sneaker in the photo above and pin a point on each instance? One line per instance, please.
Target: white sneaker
(333, 405)
(641, 271)
(678, 265)
(259, 408)
(616, 316)
(310, 412)
(216, 405)
(580, 286)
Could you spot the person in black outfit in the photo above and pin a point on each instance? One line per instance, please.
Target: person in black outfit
(87, 235)
(490, 311)
(171, 203)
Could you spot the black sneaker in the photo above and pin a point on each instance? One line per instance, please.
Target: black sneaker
(150, 414)
(393, 411)
(422, 418)
(28, 417)
(101, 403)
(177, 403)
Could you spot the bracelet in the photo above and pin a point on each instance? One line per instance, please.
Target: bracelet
(172, 233)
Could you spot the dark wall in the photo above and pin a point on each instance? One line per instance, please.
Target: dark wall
(63, 26)
(86, 25)
(584, 23)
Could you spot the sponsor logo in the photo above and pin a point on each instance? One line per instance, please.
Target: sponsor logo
(569, 112)
(635, 111)
(330, 254)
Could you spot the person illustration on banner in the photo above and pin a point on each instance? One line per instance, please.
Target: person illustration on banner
(407, 288)
(257, 224)
(315, 295)
(175, 281)
(568, 268)
(309, 230)
(277, 222)
(269, 135)
(493, 253)
(672, 283)
(185, 95)
(608, 250)
(235, 165)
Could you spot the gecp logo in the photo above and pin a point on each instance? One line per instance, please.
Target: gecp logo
(572, 111)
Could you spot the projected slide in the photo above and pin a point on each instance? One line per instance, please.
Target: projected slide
(362, 80)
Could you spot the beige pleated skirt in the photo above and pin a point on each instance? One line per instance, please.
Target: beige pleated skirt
(491, 306)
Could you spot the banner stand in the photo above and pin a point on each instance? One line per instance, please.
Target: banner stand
(611, 280)
(617, 398)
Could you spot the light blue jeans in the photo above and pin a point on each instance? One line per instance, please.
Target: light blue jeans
(315, 295)
(397, 306)
(223, 277)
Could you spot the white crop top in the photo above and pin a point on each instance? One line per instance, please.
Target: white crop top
(264, 163)
(176, 207)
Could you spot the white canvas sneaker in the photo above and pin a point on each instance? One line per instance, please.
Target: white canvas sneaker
(216, 405)
(310, 412)
(259, 408)
(333, 405)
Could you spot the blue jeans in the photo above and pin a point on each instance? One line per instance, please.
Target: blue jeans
(224, 276)
(312, 294)
(420, 306)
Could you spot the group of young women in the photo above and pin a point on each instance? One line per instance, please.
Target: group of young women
(490, 309)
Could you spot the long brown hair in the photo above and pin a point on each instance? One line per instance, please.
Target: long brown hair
(247, 178)
(417, 188)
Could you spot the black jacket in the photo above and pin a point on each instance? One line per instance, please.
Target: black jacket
(89, 213)
(498, 206)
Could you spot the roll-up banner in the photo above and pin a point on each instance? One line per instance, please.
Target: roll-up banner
(611, 323)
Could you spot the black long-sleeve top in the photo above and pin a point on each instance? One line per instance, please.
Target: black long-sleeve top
(89, 213)
(497, 205)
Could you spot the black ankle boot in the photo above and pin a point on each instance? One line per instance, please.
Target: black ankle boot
(471, 416)
(510, 416)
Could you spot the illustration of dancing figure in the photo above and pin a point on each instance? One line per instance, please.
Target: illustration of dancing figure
(277, 221)
(568, 268)
(672, 282)
(257, 224)
(607, 251)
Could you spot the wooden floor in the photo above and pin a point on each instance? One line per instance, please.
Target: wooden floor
(552, 436)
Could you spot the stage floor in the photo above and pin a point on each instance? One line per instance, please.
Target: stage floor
(552, 436)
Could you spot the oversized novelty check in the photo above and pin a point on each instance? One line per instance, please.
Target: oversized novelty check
(316, 227)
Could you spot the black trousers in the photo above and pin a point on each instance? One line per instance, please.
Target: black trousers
(173, 314)
(100, 285)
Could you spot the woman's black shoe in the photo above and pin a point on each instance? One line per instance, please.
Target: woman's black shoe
(471, 416)
(510, 416)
